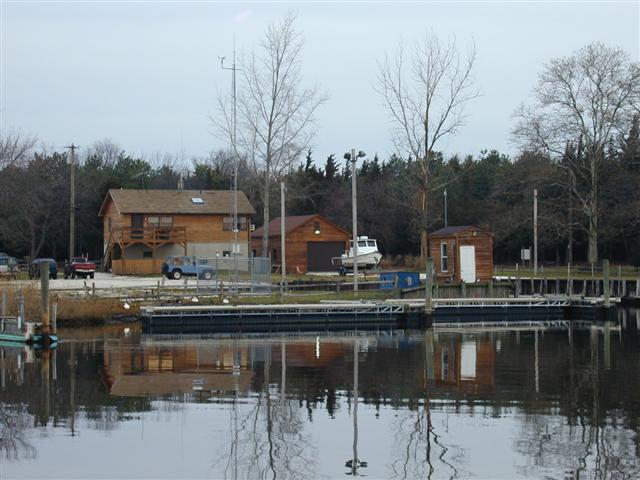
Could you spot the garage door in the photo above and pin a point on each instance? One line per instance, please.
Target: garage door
(319, 255)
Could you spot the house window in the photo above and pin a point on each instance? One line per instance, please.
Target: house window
(444, 258)
(153, 221)
(227, 224)
(166, 221)
(147, 254)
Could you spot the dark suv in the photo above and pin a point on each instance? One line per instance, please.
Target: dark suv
(34, 267)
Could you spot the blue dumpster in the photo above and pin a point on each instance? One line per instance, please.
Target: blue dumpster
(404, 280)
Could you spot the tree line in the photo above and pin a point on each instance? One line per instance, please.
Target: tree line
(491, 190)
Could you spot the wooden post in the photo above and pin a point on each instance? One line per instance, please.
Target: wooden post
(569, 289)
(158, 290)
(4, 308)
(557, 285)
(638, 287)
(20, 310)
(396, 286)
(463, 289)
(428, 293)
(44, 296)
(491, 288)
(517, 281)
(584, 287)
(605, 273)
(54, 317)
(93, 289)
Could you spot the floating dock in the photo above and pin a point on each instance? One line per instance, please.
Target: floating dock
(356, 314)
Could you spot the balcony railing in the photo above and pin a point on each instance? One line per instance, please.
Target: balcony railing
(149, 235)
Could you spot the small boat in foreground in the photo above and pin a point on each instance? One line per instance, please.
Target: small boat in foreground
(368, 256)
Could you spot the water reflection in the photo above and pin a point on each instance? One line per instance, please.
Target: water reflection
(559, 401)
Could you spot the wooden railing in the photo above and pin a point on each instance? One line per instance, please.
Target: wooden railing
(149, 234)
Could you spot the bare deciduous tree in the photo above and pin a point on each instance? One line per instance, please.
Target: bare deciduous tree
(584, 101)
(275, 115)
(425, 95)
(15, 148)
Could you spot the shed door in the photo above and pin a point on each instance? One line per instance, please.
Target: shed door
(468, 263)
(319, 255)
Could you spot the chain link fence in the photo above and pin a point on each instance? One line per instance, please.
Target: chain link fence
(218, 275)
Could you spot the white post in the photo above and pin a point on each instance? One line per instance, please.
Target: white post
(282, 239)
(535, 232)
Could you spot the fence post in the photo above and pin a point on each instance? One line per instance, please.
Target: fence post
(54, 317)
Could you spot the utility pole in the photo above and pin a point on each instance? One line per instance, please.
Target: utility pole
(282, 240)
(445, 208)
(354, 218)
(535, 231)
(234, 147)
(72, 201)
(353, 158)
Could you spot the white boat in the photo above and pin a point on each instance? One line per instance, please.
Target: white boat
(368, 256)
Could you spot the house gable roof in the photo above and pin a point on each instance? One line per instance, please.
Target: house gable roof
(292, 223)
(215, 202)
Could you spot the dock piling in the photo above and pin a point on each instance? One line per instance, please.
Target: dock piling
(428, 293)
(44, 297)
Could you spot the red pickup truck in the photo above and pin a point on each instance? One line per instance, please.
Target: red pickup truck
(79, 267)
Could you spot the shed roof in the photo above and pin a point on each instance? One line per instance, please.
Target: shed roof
(446, 231)
(176, 202)
(291, 223)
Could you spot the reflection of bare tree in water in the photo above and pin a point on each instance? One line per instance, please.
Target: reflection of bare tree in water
(268, 441)
(14, 423)
(585, 445)
(419, 447)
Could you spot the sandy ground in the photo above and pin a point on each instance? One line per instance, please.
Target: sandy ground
(108, 280)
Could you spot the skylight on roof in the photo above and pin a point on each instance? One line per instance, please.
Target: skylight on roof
(197, 201)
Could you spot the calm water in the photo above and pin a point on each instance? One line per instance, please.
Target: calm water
(526, 403)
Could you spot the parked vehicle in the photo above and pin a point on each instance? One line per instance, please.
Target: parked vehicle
(176, 267)
(34, 268)
(8, 264)
(79, 267)
(368, 256)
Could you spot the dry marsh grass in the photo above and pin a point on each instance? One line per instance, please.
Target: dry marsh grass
(70, 309)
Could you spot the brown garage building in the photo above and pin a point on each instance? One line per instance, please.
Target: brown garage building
(463, 253)
(311, 242)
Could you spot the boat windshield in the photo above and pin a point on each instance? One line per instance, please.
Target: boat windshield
(371, 243)
(362, 243)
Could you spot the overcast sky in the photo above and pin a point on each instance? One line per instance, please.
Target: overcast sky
(146, 75)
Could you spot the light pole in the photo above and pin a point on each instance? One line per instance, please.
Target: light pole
(353, 158)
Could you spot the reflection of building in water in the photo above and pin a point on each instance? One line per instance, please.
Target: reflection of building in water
(162, 370)
(213, 366)
(467, 365)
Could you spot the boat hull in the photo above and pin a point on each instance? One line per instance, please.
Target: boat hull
(366, 260)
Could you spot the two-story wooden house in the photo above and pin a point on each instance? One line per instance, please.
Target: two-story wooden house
(142, 227)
